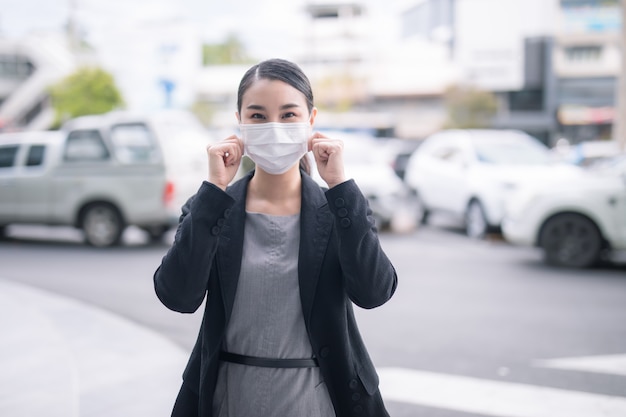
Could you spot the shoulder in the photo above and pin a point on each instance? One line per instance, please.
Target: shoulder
(239, 187)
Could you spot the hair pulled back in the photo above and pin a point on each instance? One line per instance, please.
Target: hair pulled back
(280, 70)
(276, 69)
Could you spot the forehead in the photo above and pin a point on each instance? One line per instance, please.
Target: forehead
(268, 92)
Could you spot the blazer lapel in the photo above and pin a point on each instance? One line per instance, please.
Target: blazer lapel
(315, 227)
(230, 247)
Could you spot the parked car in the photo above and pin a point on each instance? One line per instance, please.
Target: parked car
(574, 220)
(399, 152)
(369, 165)
(586, 153)
(468, 173)
(103, 173)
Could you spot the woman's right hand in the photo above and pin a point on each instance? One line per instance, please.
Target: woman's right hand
(224, 160)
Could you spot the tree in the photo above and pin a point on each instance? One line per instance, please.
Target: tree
(231, 51)
(89, 90)
(469, 107)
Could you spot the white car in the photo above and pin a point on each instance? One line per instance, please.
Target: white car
(575, 220)
(469, 173)
(368, 162)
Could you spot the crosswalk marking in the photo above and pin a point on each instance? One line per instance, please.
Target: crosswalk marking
(494, 398)
(606, 364)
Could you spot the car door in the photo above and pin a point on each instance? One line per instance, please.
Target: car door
(449, 176)
(622, 206)
(8, 188)
(141, 164)
(85, 162)
(428, 170)
(34, 185)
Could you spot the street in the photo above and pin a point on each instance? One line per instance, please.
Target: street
(476, 328)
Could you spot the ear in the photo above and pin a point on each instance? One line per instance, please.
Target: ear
(238, 116)
(313, 115)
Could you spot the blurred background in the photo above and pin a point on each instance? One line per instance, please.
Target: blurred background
(398, 68)
(489, 137)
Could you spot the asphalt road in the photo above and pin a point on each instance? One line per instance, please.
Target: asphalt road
(475, 328)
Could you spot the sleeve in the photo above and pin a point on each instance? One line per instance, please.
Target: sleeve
(181, 281)
(370, 278)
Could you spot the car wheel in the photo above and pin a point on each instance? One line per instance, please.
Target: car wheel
(475, 220)
(421, 210)
(102, 225)
(570, 240)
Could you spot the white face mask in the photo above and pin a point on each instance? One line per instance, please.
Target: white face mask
(275, 147)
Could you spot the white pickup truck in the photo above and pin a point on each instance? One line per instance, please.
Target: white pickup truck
(103, 173)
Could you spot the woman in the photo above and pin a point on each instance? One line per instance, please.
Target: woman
(280, 261)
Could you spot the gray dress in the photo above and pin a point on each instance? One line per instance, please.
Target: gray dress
(267, 321)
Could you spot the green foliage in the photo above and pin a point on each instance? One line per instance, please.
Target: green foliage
(231, 51)
(204, 112)
(88, 91)
(469, 108)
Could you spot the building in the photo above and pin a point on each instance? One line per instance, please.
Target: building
(552, 64)
(155, 65)
(587, 67)
(27, 68)
(373, 74)
(505, 47)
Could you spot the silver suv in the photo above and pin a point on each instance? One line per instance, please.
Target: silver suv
(103, 173)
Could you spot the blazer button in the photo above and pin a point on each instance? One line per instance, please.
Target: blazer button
(356, 396)
(220, 222)
(345, 222)
(342, 212)
(353, 384)
(227, 213)
(357, 409)
(215, 231)
(340, 202)
(324, 352)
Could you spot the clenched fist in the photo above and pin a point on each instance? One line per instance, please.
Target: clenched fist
(224, 160)
(328, 154)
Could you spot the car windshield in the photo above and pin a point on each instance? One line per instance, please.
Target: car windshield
(511, 149)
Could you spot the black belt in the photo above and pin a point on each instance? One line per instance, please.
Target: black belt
(267, 362)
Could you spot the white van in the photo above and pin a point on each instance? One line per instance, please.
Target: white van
(104, 173)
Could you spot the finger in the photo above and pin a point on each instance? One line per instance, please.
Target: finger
(229, 150)
(327, 148)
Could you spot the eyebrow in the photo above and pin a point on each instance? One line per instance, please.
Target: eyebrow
(283, 107)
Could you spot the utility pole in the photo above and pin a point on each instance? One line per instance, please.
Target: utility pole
(72, 27)
(619, 126)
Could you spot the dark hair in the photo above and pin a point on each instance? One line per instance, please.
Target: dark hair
(281, 70)
(277, 69)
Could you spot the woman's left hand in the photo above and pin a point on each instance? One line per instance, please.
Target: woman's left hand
(328, 154)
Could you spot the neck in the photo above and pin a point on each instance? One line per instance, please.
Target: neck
(275, 194)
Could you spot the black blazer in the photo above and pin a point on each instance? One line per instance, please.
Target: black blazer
(340, 263)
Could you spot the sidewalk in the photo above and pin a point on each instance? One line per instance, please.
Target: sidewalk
(62, 358)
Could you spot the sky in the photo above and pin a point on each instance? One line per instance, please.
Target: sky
(129, 36)
(262, 25)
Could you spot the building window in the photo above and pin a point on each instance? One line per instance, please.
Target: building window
(583, 53)
(15, 66)
(526, 100)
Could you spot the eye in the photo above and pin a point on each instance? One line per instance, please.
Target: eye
(289, 115)
(257, 116)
